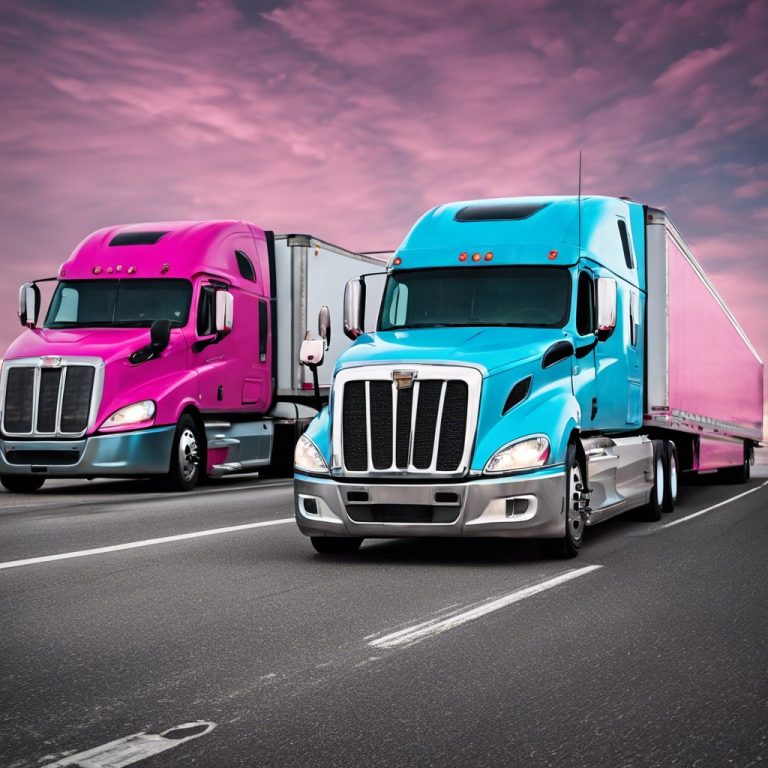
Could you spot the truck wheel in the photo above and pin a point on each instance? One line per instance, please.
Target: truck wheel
(671, 477)
(184, 471)
(655, 506)
(336, 545)
(22, 483)
(568, 545)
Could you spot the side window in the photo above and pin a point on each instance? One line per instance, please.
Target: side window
(585, 305)
(399, 305)
(205, 311)
(245, 266)
(625, 244)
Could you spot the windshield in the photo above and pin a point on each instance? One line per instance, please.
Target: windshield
(118, 303)
(507, 296)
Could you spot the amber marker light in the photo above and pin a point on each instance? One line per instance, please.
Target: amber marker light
(165, 268)
(489, 256)
(96, 270)
(109, 270)
(476, 257)
(131, 270)
(552, 255)
(463, 256)
(397, 262)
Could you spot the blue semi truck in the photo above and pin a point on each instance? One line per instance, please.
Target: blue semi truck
(538, 365)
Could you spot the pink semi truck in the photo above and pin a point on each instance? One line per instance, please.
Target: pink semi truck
(169, 349)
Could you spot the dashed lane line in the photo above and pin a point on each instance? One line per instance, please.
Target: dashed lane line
(425, 629)
(144, 543)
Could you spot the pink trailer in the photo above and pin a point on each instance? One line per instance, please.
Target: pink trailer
(693, 339)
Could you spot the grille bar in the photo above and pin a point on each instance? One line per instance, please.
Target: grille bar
(426, 428)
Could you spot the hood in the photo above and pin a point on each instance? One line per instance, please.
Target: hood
(490, 349)
(110, 344)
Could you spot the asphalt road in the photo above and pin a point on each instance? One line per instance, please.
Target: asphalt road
(649, 649)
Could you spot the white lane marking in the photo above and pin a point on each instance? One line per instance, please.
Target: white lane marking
(138, 746)
(145, 543)
(437, 626)
(709, 509)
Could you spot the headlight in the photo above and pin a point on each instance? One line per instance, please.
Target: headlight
(131, 414)
(307, 458)
(523, 454)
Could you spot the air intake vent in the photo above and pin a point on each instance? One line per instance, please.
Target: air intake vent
(136, 238)
(499, 212)
(517, 394)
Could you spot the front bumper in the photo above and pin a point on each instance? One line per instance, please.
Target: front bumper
(120, 454)
(530, 505)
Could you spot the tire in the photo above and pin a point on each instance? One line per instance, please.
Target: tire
(568, 546)
(186, 457)
(336, 545)
(740, 474)
(653, 510)
(671, 478)
(22, 483)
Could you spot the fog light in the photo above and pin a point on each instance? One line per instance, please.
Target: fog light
(516, 507)
(310, 506)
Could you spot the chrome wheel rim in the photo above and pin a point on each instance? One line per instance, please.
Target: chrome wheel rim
(673, 476)
(659, 481)
(188, 455)
(574, 520)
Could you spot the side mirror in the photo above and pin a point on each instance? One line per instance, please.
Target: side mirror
(606, 307)
(159, 338)
(312, 352)
(29, 305)
(354, 308)
(225, 307)
(324, 325)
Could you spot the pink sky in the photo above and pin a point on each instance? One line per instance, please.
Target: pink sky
(349, 120)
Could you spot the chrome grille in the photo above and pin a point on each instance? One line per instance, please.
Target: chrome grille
(425, 428)
(44, 401)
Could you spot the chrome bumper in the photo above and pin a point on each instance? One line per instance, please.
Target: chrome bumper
(530, 505)
(130, 454)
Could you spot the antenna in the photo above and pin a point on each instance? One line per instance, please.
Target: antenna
(579, 203)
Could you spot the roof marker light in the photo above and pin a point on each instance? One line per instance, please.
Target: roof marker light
(96, 270)
(166, 267)
(63, 272)
(119, 267)
(552, 255)
(109, 270)
(476, 257)
(397, 262)
(131, 270)
(463, 256)
(489, 256)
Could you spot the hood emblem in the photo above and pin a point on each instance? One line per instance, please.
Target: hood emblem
(404, 379)
(50, 362)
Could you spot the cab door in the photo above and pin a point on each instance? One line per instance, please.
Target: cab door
(584, 359)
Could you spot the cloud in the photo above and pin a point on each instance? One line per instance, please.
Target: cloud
(349, 120)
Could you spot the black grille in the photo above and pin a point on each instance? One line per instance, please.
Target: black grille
(402, 513)
(76, 402)
(376, 419)
(453, 426)
(19, 399)
(47, 458)
(355, 427)
(68, 406)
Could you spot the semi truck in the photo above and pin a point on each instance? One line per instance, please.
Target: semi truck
(538, 366)
(170, 349)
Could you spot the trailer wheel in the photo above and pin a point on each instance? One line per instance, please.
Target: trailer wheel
(741, 473)
(672, 478)
(336, 545)
(655, 506)
(184, 472)
(575, 479)
(22, 483)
